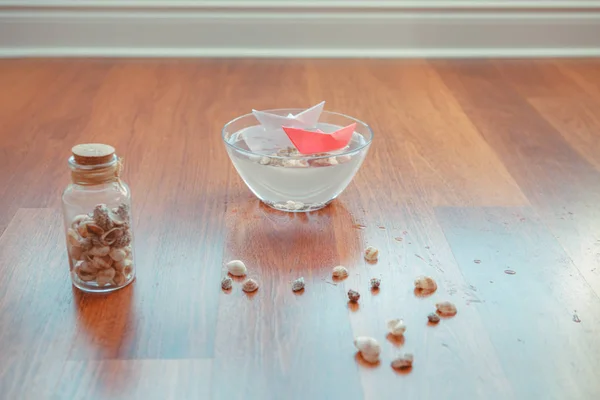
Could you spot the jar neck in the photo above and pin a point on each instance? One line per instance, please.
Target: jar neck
(92, 175)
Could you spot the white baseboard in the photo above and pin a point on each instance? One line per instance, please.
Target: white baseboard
(296, 28)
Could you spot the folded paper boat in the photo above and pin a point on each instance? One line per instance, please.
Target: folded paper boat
(313, 142)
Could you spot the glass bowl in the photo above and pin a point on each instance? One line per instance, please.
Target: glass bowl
(289, 181)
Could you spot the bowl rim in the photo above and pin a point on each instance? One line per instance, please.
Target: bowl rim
(301, 156)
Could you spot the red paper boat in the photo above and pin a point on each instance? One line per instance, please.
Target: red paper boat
(311, 142)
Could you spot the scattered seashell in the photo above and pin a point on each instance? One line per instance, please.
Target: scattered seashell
(375, 283)
(226, 283)
(237, 268)
(371, 253)
(433, 318)
(353, 295)
(94, 228)
(111, 236)
(396, 327)
(105, 276)
(102, 218)
(117, 254)
(340, 272)
(100, 251)
(298, 284)
(403, 361)
(368, 347)
(426, 284)
(119, 278)
(250, 285)
(73, 238)
(446, 308)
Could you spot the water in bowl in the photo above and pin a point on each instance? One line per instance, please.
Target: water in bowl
(289, 181)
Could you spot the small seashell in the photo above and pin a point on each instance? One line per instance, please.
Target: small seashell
(86, 244)
(119, 278)
(433, 318)
(298, 284)
(102, 218)
(403, 361)
(368, 347)
(446, 308)
(96, 242)
(340, 272)
(124, 266)
(236, 268)
(371, 253)
(117, 254)
(128, 270)
(75, 252)
(426, 284)
(84, 271)
(123, 241)
(105, 276)
(250, 285)
(78, 220)
(226, 283)
(82, 228)
(103, 262)
(119, 216)
(353, 295)
(94, 228)
(73, 238)
(111, 236)
(375, 283)
(100, 251)
(264, 160)
(396, 327)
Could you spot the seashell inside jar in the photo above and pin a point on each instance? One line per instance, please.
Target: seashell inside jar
(96, 208)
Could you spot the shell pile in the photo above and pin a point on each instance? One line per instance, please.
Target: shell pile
(290, 157)
(99, 246)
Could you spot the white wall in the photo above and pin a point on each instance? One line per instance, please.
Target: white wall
(315, 28)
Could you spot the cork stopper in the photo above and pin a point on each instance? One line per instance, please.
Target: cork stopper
(93, 153)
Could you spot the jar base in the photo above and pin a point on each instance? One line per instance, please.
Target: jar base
(100, 289)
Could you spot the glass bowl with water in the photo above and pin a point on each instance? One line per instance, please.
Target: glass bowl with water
(283, 178)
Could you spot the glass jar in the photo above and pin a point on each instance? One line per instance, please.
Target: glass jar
(97, 218)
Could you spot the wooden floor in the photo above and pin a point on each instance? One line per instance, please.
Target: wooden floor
(477, 167)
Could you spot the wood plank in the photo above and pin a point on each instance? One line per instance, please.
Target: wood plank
(133, 379)
(38, 315)
(421, 133)
(530, 315)
(563, 186)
